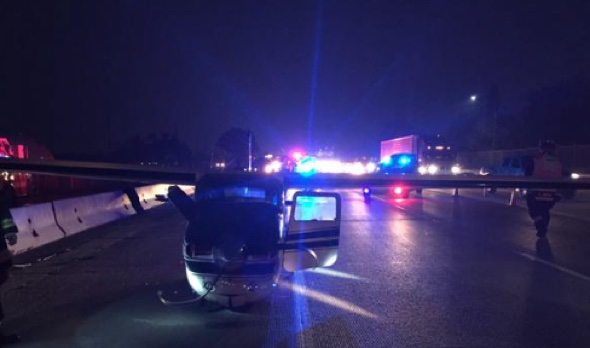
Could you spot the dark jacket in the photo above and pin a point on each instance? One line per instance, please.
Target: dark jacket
(6, 226)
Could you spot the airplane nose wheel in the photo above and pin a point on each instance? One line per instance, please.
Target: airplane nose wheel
(209, 286)
(168, 302)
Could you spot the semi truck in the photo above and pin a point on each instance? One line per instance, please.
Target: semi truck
(435, 155)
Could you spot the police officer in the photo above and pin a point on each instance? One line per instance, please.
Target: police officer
(8, 232)
(540, 201)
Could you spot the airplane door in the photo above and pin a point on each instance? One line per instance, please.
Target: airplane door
(313, 231)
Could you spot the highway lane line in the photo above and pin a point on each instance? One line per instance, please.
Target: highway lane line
(568, 215)
(521, 203)
(301, 312)
(528, 256)
(554, 266)
(395, 205)
(413, 215)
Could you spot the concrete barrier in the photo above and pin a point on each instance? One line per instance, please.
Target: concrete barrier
(44, 223)
(147, 194)
(188, 189)
(36, 226)
(75, 215)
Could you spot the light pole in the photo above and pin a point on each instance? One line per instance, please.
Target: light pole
(249, 151)
(474, 99)
(494, 126)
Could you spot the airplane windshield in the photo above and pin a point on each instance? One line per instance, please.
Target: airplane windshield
(236, 192)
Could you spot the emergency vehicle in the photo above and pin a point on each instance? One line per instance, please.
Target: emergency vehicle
(20, 181)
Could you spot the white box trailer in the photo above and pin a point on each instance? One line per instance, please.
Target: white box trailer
(407, 144)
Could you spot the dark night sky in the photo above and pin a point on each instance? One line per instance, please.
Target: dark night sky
(70, 70)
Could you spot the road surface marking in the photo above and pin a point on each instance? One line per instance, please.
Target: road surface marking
(395, 205)
(555, 266)
(521, 203)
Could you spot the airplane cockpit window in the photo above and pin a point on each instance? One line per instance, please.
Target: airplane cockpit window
(315, 209)
(243, 192)
(237, 192)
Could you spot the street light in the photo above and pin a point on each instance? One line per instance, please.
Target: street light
(494, 99)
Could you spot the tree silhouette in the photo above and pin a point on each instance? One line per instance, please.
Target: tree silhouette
(163, 150)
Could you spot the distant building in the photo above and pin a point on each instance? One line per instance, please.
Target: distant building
(23, 147)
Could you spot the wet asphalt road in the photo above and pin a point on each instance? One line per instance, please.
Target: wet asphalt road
(435, 271)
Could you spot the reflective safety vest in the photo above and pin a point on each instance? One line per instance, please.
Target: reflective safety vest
(7, 226)
(546, 167)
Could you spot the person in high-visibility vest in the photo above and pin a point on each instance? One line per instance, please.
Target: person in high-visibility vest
(540, 201)
(8, 236)
(8, 191)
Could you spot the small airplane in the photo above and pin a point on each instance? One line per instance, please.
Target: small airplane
(244, 232)
(238, 240)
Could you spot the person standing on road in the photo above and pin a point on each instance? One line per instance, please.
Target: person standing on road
(540, 201)
(8, 232)
(8, 193)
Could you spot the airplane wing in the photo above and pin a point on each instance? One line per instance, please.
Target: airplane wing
(429, 181)
(137, 173)
(97, 170)
(312, 239)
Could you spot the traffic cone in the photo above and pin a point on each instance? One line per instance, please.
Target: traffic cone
(513, 196)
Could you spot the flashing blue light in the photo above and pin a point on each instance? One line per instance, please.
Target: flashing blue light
(386, 160)
(404, 160)
(306, 167)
